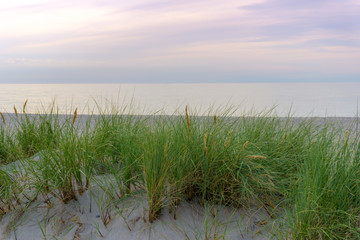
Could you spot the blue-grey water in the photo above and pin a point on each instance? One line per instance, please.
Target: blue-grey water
(302, 99)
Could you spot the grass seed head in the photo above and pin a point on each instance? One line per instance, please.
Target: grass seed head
(346, 135)
(205, 140)
(24, 107)
(346, 139)
(245, 144)
(187, 119)
(15, 110)
(74, 116)
(3, 118)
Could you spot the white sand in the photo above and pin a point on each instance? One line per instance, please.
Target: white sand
(82, 219)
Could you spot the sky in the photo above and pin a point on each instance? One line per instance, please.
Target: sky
(187, 41)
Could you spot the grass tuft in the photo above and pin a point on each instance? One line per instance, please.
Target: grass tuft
(303, 171)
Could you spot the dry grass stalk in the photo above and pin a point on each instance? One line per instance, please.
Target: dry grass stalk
(205, 147)
(106, 217)
(67, 194)
(166, 150)
(154, 209)
(215, 120)
(74, 116)
(16, 113)
(346, 140)
(256, 157)
(242, 149)
(228, 140)
(245, 144)
(187, 118)
(3, 118)
(24, 107)
(283, 139)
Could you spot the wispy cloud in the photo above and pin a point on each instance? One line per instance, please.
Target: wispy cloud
(273, 36)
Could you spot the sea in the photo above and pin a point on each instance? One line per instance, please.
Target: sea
(280, 99)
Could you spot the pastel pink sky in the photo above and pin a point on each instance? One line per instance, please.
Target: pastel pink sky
(179, 41)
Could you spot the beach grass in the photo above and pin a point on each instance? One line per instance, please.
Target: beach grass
(301, 172)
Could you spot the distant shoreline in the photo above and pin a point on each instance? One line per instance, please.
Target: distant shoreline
(348, 123)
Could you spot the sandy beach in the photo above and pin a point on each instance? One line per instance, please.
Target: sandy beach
(82, 220)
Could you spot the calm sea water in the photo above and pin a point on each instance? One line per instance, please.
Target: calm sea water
(303, 99)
